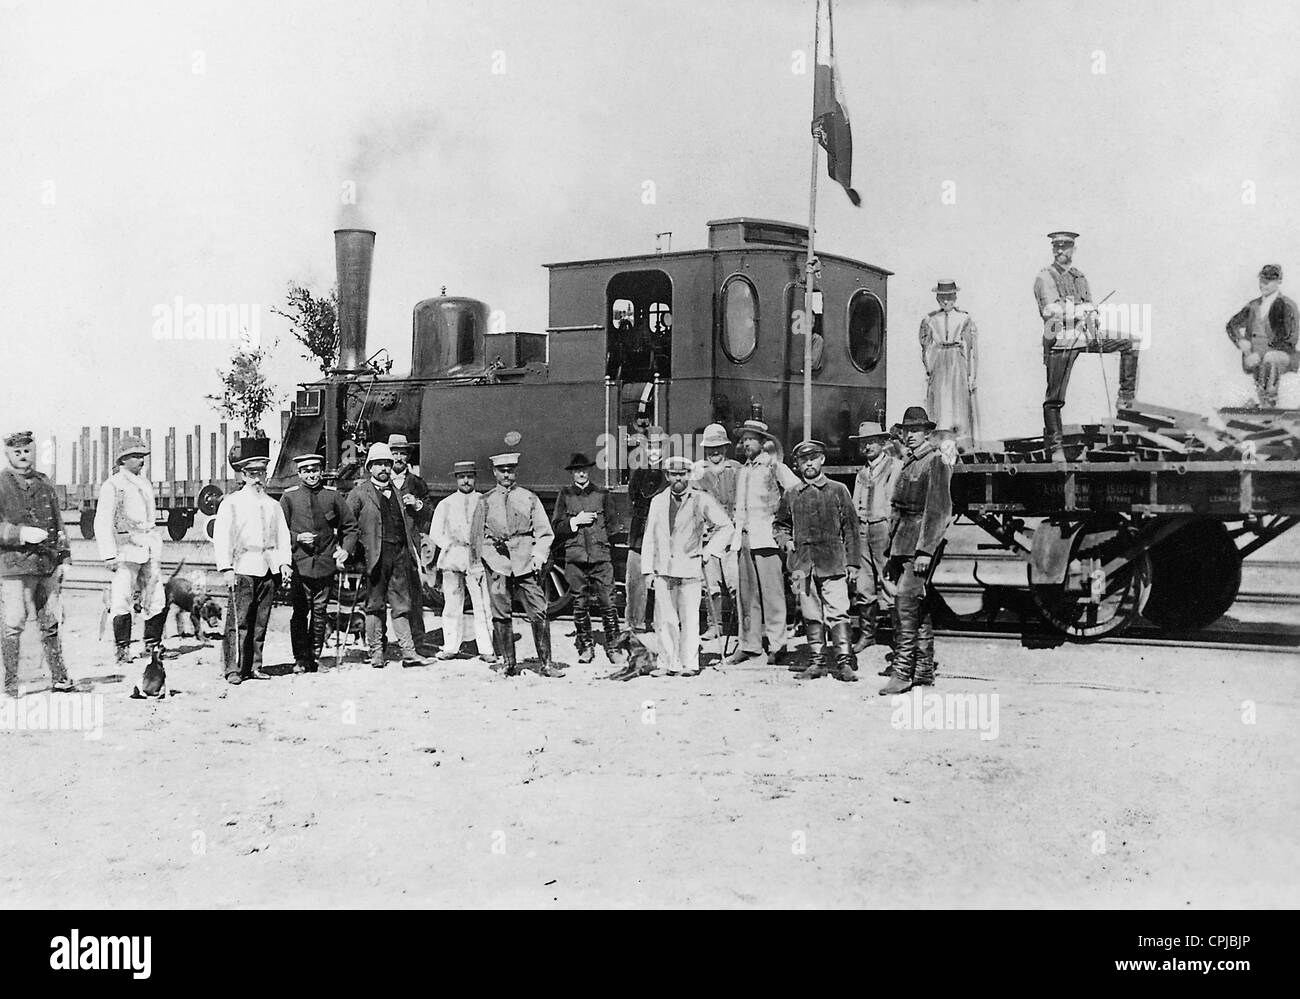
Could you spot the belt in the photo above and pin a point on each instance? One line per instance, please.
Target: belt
(954, 343)
(909, 510)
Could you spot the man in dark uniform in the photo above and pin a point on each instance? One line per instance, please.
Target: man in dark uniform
(921, 509)
(1070, 327)
(324, 533)
(585, 519)
(646, 482)
(511, 536)
(419, 510)
(33, 552)
(391, 550)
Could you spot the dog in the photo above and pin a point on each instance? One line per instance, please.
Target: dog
(353, 626)
(642, 650)
(153, 683)
(193, 603)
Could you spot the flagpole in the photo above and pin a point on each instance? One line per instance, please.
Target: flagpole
(811, 265)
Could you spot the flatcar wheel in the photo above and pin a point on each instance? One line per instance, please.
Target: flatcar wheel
(178, 525)
(1125, 595)
(556, 589)
(1196, 573)
(87, 524)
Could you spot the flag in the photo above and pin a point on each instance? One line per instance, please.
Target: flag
(830, 122)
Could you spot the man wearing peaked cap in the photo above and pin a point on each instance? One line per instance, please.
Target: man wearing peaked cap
(323, 534)
(418, 508)
(586, 520)
(512, 537)
(1267, 332)
(716, 475)
(126, 516)
(392, 556)
(33, 551)
(824, 530)
(450, 533)
(872, 489)
(921, 508)
(252, 547)
(1070, 327)
(760, 483)
(949, 354)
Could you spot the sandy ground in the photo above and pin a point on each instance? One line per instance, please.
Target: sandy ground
(1117, 777)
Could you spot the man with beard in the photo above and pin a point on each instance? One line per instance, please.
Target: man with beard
(323, 532)
(450, 532)
(585, 519)
(33, 552)
(646, 482)
(512, 537)
(824, 532)
(251, 543)
(920, 510)
(419, 510)
(391, 548)
(872, 490)
(130, 545)
(716, 475)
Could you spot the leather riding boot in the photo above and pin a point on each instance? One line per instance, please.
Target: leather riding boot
(153, 630)
(542, 639)
(54, 658)
(1053, 432)
(846, 661)
(375, 639)
(505, 641)
(816, 666)
(610, 621)
(582, 628)
(122, 638)
(867, 624)
(9, 652)
(925, 664)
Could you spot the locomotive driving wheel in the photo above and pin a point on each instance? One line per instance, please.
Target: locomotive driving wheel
(1090, 604)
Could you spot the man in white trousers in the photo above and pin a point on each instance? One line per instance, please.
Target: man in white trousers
(449, 531)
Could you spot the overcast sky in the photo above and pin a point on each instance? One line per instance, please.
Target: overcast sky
(164, 149)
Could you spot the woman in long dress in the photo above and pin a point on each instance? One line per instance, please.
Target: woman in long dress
(948, 350)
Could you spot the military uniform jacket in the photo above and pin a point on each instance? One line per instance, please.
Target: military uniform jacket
(1056, 285)
(30, 502)
(922, 503)
(324, 512)
(510, 530)
(590, 544)
(363, 501)
(823, 528)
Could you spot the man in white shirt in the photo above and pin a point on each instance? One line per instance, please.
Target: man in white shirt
(252, 545)
(130, 545)
(450, 533)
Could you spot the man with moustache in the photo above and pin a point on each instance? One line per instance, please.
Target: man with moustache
(391, 556)
(921, 508)
(33, 552)
(251, 543)
(512, 536)
(585, 519)
(450, 533)
(1266, 331)
(872, 490)
(716, 475)
(126, 532)
(323, 532)
(419, 510)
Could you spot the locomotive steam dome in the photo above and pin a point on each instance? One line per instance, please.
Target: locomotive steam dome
(447, 336)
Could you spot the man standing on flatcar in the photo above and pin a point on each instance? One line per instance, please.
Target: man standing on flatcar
(419, 511)
(760, 484)
(872, 491)
(512, 536)
(323, 531)
(585, 519)
(920, 510)
(1070, 327)
(716, 475)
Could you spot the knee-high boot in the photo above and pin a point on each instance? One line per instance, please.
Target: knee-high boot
(122, 637)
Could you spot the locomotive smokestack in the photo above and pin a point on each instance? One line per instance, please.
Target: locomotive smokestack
(353, 251)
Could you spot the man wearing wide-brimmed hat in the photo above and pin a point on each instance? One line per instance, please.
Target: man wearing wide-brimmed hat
(392, 552)
(760, 484)
(1267, 332)
(126, 517)
(1070, 327)
(716, 475)
(950, 355)
(512, 537)
(251, 544)
(873, 488)
(33, 551)
(323, 531)
(921, 508)
(826, 550)
(450, 533)
(585, 519)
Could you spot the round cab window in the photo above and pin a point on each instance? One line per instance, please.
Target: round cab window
(739, 319)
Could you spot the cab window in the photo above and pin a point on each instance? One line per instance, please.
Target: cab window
(866, 330)
(739, 319)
